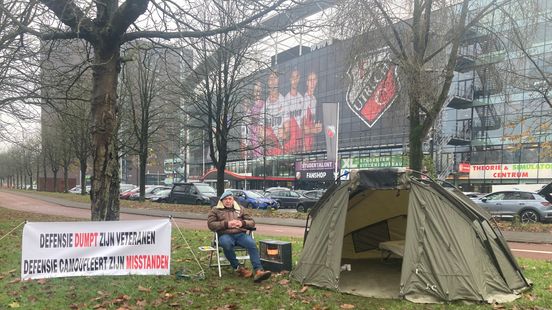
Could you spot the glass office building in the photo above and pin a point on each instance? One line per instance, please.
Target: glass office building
(323, 112)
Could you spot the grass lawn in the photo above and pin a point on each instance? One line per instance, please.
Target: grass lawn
(230, 292)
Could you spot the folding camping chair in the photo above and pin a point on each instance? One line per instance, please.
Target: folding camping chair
(216, 255)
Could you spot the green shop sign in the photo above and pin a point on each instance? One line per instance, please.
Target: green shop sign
(374, 162)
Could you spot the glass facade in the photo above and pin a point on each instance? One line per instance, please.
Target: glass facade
(306, 108)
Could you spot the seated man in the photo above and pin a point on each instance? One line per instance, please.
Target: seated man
(229, 221)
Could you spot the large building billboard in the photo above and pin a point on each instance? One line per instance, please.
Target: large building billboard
(309, 103)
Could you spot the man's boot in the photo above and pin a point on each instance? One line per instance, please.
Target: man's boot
(261, 275)
(244, 272)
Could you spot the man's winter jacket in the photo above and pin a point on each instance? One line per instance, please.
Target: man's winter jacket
(219, 216)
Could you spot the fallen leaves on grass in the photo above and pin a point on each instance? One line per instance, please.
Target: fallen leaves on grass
(144, 289)
(168, 295)
(284, 282)
(346, 306)
(122, 298)
(226, 307)
(530, 297)
(14, 304)
(265, 288)
(195, 289)
(292, 294)
(141, 303)
(304, 289)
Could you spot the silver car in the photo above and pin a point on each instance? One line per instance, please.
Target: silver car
(531, 207)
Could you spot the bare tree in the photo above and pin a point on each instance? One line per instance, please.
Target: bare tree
(78, 133)
(73, 114)
(145, 87)
(214, 106)
(14, 87)
(7, 168)
(106, 26)
(52, 155)
(422, 39)
(31, 155)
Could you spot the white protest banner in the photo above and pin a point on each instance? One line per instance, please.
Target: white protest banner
(67, 249)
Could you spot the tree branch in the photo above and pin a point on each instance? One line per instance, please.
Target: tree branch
(196, 34)
(71, 15)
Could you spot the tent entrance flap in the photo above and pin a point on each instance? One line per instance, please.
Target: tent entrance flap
(372, 277)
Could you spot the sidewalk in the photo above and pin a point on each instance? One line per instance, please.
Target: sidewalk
(510, 236)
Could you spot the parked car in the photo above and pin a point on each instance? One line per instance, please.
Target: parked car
(125, 187)
(531, 207)
(149, 191)
(314, 194)
(546, 192)
(252, 200)
(126, 194)
(257, 191)
(292, 199)
(276, 189)
(472, 195)
(161, 196)
(192, 193)
(75, 190)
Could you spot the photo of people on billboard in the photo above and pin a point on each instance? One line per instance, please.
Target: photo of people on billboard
(287, 124)
(296, 104)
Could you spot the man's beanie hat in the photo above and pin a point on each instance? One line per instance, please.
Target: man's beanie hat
(226, 194)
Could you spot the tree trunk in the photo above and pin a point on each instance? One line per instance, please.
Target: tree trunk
(220, 181)
(415, 155)
(37, 171)
(65, 178)
(105, 170)
(143, 162)
(44, 171)
(83, 167)
(55, 180)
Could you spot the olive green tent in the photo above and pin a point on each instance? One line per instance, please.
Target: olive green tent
(388, 234)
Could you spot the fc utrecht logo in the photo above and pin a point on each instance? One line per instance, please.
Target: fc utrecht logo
(373, 89)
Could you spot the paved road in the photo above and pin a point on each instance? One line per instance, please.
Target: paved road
(23, 203)
(531, 250)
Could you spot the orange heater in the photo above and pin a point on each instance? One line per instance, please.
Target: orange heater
(275, 255)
